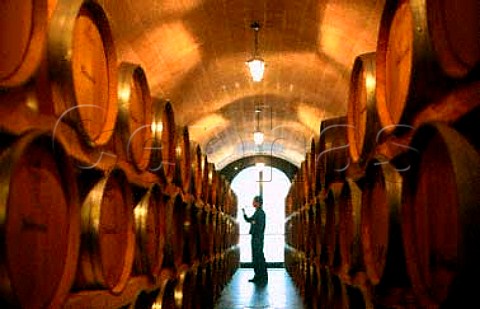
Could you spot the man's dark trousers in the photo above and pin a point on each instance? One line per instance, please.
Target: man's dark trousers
(258, 258)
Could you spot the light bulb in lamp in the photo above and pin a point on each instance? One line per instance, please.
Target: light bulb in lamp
(258, 137)
(257, 68)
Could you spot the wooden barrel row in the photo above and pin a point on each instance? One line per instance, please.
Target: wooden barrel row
(191, 287)
(215, 190)
(346, 144)
(387, 224)
(424, 49)
(75, 70)
(321, 288)
(419, 72)
(67, 229)
(139, 181)
(391, 202)
(221, 232)
(74, 80)
(106, 247)
(326, 161)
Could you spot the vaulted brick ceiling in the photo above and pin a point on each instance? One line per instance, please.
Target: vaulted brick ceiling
(194, 53)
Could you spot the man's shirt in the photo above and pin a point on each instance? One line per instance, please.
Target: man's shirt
(257, 222)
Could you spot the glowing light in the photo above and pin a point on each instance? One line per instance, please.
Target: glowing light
(157, 127)
(370, 81)
(256, 65)
(257, 68)
(258, 137)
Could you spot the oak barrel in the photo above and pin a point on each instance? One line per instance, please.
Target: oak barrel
(222, 188)
(349, 242)
(165, 297)
(299, 192)
(381, 239)
(299, 240)
(219, 273)
(441, 216)
(149, 232)
(134, 115)
(312, 171)
(324, 287)
(143, 300)
(361, 293)
(164, 140)
(233, 230)
(192, 233)
(227, 229)
(82, 69)
(176, 229)
(312, 298)
(310, 229)
(228, 199)
(39, 221)
(185, 287)
(22, 39)
(168, 138)
(214, 185)
(301, 279)
(362, 119)
(318, 225)
(455, 35)
(223, 270)
(209, 230)
(205, 281)
(330, 236)
(220, 237)
(340, 297)
(305, 177)
(304, 240)
(108, 234)
(183, 161)
(207, 185)
(201, 218)
(289, 254)
(424, 50)
(197, 158)
(313, 228)
(233, 203)
(332, 159)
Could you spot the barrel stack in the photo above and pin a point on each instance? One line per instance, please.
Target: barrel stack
(395, 214)
(106, 202)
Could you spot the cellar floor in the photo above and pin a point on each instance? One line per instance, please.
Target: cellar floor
(279, 293)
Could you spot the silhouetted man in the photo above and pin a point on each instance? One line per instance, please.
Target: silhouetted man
(257, 230)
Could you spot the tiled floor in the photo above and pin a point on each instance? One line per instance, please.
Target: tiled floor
(279, 293)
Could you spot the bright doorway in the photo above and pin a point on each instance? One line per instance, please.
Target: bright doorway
(275, 188)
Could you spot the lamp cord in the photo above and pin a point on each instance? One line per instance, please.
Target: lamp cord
(256, 28)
